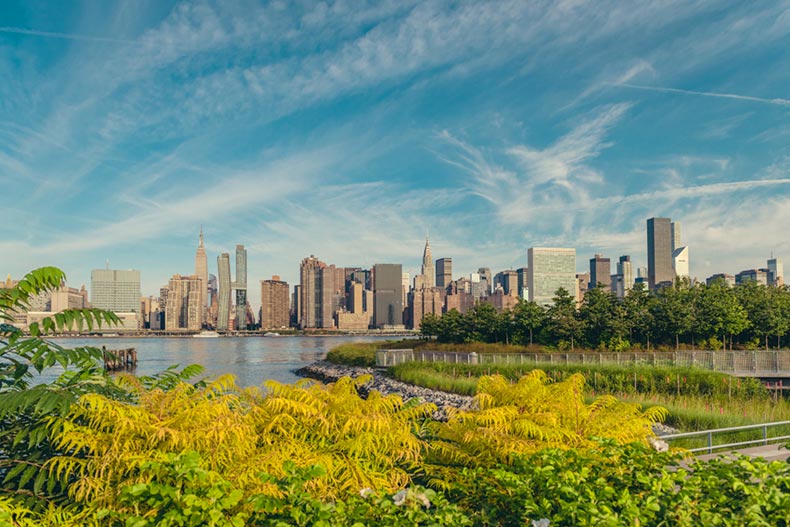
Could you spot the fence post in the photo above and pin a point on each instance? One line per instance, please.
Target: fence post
(710, 442)
(765, 434)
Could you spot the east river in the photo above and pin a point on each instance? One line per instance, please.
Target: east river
(251, 359)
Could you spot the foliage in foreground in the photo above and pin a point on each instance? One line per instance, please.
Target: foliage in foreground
(609, 485)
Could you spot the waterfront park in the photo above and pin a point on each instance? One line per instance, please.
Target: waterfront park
(539, 416)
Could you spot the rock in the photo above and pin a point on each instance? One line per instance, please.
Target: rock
(329, 372)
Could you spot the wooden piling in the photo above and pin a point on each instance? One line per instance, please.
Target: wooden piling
(123, 359)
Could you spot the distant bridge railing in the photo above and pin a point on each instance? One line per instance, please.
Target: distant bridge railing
(774, 363)
(732, 438)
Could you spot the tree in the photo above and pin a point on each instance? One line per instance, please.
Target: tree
(483, 323)
(563, 319)
(600, 316)
(674, 310)
(528, 317)
(29, 412)
(638, 306)
(452, 328)
(720, 312)
(429, 327)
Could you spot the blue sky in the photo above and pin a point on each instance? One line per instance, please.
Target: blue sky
(347, 130)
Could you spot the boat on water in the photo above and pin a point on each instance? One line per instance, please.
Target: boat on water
(206, 335)
(271, 334)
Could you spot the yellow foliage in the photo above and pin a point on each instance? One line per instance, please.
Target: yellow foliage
(241, 433)
(533, 414)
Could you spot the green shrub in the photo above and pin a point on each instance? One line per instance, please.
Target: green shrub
(353, 354)
(625, 485)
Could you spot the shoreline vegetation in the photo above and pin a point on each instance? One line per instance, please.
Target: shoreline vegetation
(90, 449)
(696, 399)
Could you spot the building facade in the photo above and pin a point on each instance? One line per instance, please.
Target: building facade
(275, 303)
(600, 272)
(659, 252)
(444, 272)
(550, 268)
(388, 296)
(201, 271)
(184, 309)
(225, 292)
(115, 290)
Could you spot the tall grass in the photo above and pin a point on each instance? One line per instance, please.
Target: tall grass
(710, 403)
(608, 378)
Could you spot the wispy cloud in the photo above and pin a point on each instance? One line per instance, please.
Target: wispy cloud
(67, 36)
(776, 101)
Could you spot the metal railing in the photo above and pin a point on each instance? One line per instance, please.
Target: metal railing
(743, 363)
(709, 435)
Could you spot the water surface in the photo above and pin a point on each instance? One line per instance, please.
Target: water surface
(251, 359)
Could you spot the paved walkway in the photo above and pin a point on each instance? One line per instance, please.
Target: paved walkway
(775, 452)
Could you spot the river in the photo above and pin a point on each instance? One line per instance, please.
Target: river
(251, 359)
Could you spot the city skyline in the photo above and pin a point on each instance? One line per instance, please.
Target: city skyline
(349, 130)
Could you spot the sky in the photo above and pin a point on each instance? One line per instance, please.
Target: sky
(350, 130)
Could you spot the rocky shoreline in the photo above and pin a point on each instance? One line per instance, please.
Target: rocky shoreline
(329, 372)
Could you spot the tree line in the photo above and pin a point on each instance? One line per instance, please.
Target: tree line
(686, 314)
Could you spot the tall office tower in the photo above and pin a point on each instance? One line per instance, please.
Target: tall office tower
(677, 239)
(224, 294)
(310, 281)
(508, 281)
(444, 272)
(117, 291)
(427, 265)
(600, 272)
(659, 252)
(522, 275)
(201, 270)
(275, 303)
(477, 286)
(240, 285)
(296, 307)
(680, 261)
(333, 294)
(404, 285)
(549, 269)
(212, 289)
(427, 300)
(486, 278)
(184, 303)
(776, 271)
(625, 276)
(387, 294)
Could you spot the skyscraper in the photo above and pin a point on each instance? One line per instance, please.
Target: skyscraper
(487, 280)
(117, 291)
(275, 303)
(427, 265)
(600, 271)
(625, 276)
(680, 261)
(444, 272)
(387, 295)
(522, 274)
(184, 309)
(224, 295)
(549, 269)
(322, 291)
(776, 271)
(659, 252)
(677, 238)
(240, 285)
(201, 271)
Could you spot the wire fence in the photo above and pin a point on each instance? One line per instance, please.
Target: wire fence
(774, 363)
